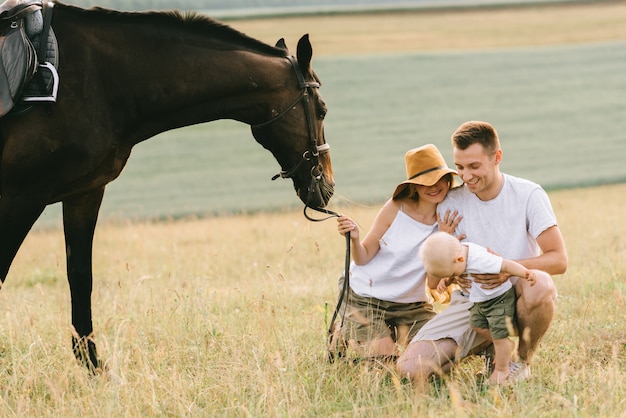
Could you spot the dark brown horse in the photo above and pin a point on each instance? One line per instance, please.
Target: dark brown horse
(125, 77)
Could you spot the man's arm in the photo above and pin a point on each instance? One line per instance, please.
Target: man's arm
(553, 259)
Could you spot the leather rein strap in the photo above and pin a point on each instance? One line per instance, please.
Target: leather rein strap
(346, 274)
(312, 153)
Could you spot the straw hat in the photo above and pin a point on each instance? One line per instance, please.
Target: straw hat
(425, 166)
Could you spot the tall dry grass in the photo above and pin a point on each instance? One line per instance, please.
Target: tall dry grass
(227, 317)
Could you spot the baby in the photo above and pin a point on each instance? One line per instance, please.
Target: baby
(493, 313)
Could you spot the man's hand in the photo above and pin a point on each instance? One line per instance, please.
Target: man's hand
(490, 281)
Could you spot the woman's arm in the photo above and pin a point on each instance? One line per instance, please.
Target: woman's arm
(363, 251)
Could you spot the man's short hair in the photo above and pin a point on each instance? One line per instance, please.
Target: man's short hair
(476, 132)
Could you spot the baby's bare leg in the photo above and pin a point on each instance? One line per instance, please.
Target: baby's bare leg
(504, 350)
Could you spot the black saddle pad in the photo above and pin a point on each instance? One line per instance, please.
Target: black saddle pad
(35, 88)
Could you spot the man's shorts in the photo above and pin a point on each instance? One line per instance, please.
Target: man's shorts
(453, 322)
(368, 318)
(497, 314)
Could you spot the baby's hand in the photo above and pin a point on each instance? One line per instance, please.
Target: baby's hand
(531, 276)
(441, 287)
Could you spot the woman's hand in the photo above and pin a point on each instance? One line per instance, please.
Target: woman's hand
(449, 221)
(345, 224)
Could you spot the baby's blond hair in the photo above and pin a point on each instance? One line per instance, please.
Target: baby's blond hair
(438, 253)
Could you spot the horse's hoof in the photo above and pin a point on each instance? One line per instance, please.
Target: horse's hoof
(85, 352)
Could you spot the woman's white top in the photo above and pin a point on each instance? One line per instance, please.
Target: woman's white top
(396, 272)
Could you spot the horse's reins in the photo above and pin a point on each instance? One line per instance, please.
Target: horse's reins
(312, 154)
(346, 273)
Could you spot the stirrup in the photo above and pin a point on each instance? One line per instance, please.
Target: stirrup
(55, 85)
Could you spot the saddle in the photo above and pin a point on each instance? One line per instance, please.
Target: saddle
(27, 45)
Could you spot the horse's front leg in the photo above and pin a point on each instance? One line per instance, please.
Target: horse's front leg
(80, 214)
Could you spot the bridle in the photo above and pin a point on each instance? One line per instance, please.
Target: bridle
(314, 150)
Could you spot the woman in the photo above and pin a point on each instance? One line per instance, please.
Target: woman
(387, 301)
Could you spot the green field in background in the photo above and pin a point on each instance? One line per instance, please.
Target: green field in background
(559, 112)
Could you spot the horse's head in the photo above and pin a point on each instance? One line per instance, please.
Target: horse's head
(294, 131)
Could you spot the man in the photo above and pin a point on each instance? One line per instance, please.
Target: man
(514, 218)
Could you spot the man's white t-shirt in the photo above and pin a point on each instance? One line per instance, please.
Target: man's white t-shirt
(510, 223)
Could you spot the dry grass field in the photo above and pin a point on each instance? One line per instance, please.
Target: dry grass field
(417, 31)
(227, 316)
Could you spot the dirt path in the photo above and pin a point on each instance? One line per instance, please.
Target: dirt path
(447, 30)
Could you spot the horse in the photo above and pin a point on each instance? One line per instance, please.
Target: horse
(125, 77)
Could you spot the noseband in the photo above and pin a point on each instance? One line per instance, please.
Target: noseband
(314, 150)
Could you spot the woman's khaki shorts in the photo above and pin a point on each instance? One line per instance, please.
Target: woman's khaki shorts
(368, 318)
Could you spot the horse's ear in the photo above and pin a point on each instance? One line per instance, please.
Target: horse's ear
(281, 44)
(304, 54)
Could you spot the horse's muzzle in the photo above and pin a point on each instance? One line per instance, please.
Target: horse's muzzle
(319, 191)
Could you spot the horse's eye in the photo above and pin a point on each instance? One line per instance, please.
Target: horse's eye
(321, 114)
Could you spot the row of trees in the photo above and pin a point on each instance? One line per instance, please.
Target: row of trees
(218, 4)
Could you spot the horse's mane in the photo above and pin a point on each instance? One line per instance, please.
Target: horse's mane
(190, 20)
